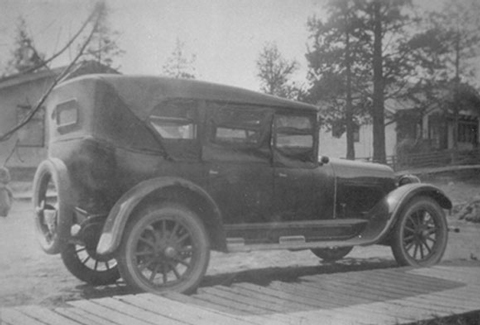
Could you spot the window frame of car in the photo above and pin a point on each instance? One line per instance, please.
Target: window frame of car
(180, 146)
(282, 159)
(234, 119)
(68, 105)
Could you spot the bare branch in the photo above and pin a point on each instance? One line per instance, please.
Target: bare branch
(59, 78)
(69, 43)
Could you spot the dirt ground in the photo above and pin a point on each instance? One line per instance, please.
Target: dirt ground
(29, 276)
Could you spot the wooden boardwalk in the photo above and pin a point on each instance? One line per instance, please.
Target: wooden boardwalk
(382, 296)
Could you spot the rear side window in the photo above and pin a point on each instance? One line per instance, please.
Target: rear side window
(175, 120)
(176, 123)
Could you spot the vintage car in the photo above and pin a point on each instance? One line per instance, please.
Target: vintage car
(146, 175)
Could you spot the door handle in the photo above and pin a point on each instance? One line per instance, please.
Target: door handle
(282, 175)
(213, 172)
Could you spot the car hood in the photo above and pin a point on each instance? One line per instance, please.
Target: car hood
(360, 186)
(361, 171)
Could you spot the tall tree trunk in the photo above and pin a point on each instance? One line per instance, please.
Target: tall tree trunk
(349, 104)
(456, 85)
(379, 154)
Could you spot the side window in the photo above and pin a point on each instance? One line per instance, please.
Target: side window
(67, 113)
(236, 126)
(175, 119)
(237, 131)
(67, 116)
(176, 123)
(294, 137)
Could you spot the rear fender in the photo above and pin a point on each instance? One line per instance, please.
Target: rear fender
(384, 215)
(122, 210)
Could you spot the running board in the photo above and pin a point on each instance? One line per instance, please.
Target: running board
(290, 243)
(296, 233)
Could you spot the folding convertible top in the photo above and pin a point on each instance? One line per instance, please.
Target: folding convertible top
(142, 93)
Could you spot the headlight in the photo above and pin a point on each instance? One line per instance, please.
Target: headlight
(408, 179)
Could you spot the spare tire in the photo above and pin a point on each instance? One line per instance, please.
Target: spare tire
(52, 205)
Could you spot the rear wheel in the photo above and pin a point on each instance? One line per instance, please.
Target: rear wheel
(52, 205)
(165, 248)
(81, 258)
(84, 263)
(332, 254)
(420, 235)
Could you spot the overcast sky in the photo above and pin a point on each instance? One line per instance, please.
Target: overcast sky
(226, 36)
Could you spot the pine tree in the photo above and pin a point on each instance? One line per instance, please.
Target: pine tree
(446, 49)
(387, 25)
(274, 72)
(103, 47)
(337, 67)
(24, 55)
(179, 65)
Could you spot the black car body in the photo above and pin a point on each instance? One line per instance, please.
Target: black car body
(151, 173)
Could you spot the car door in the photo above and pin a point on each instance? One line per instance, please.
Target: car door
(303, 188)
(237, 158)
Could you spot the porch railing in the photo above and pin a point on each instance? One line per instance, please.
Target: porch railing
(432, 159)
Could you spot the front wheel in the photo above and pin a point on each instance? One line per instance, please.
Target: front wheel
(420, 235)
(164, 248)
(332, 254)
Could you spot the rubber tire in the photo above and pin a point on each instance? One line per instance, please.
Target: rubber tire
(72, 262)
(332, 254)
(126, 261)
(53, 170)
(436, 212)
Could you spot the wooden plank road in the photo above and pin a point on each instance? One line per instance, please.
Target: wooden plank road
(382, 296)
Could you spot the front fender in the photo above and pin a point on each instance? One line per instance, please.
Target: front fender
(384, 215)
(121, 211)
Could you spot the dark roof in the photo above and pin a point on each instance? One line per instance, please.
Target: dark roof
(21, 78)
(143, 93)
(81, 68)
(89, 67)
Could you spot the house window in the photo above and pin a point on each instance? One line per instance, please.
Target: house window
(468, 131)
(338, 129)
(356, 133)
(409, 125)
(437, 132)
(33, 133)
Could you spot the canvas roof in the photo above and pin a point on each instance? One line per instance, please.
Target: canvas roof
(143, 93)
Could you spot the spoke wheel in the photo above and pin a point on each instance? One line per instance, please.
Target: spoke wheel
(165, 248)
(421, 234)
(52, 205)
(84, 263)
(332, 254)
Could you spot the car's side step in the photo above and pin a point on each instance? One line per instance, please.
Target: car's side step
(293, 233)
(289, 243)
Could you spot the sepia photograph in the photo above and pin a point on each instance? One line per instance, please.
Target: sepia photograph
(239, 162)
